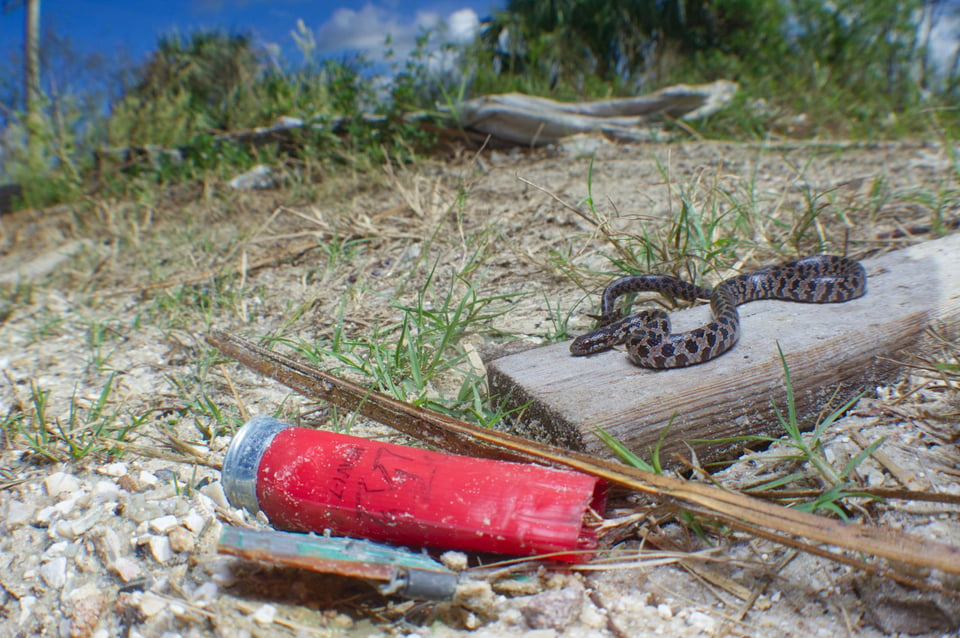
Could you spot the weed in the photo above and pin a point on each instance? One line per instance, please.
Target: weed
(190, 304)
(87, 428)
(84, 426)
(809, 451)
(654, 466)
(559, 320)
(33, 428)
(422, 358)
(50, 325)
(195, 401)
(99, 335)
(629, 457)
(337, 252)
(341, 250)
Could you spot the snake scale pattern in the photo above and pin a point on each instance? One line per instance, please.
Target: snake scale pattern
(649, 343)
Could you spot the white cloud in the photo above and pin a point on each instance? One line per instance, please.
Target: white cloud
(349, 29)
(944, 42)
(463, 25)
(366, 29)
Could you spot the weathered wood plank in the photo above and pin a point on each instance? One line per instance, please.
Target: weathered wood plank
(845, 347)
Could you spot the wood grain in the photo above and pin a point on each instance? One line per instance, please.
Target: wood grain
(833, 350)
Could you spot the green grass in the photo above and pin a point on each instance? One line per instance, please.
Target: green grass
(88, 428)
(103, 339)
(809, 455)
(200, 402)
(424, 357)
(631, 458)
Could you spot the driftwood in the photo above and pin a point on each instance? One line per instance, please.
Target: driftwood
(536, 121)
(807, 532)
(836, 348)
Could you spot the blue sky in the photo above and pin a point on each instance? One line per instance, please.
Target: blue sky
(130, 29)
(127, 31)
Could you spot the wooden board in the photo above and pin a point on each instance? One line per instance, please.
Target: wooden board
(841, 348)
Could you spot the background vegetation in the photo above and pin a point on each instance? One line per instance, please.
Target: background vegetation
(807, 68)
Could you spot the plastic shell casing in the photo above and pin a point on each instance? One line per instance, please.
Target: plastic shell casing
(316, 481)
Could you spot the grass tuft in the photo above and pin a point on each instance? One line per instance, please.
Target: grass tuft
(89, 427)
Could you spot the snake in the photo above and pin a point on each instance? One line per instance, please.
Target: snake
(647, 337)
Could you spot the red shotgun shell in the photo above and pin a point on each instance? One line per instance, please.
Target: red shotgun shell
(313, 481)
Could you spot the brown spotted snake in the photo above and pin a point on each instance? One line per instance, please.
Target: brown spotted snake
(816, 279)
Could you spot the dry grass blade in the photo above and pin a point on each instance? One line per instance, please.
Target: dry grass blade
(788, 526)
(155, 452)
(881, 493)
(602, 225)
(759, 587)
(285, 254)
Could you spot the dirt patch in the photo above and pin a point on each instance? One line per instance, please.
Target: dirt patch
(107, 344)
